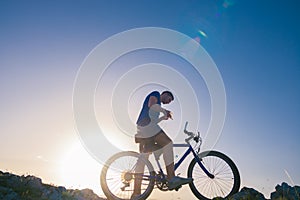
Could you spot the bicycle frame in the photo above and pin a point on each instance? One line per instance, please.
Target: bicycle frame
(187, 152)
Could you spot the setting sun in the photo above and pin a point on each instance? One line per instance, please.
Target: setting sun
(79, 170)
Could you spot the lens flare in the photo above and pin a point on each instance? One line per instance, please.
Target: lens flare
(202, 33)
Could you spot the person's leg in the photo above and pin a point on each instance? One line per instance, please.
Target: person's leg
(139, 170)
(167, 148)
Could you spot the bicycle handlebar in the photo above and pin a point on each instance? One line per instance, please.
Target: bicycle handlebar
(187, 132)
(191, 135)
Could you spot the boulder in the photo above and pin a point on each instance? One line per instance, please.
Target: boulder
(245, 194)
(248, 193)
(286, 192)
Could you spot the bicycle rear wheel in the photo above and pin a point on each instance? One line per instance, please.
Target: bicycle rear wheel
(120, 172)
(226, 180)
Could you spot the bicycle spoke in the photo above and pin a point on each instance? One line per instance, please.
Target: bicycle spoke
(120, 173)
(226, 178)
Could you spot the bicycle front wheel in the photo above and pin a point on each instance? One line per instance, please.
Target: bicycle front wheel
(226, 180)
(121, 171)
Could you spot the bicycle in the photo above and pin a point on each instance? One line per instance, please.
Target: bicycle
(214, 174)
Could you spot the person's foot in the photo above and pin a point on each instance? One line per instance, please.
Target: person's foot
(177, 181)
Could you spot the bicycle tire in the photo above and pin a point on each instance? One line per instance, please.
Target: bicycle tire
(118, 173)
(222, 185)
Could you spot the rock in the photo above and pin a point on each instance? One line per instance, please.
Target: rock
(283, 192)
(248, 193)
(13, 187)
(245, 194)
(33, 182)
(8, 194)
(286, 192)
(51, 193)
(85, 194)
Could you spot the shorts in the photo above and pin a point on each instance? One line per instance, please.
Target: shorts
(148, 131)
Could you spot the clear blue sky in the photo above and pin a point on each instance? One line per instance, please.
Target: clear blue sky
(255, 45)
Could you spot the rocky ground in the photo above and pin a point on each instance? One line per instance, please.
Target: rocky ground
(13, 187)
(282, 192)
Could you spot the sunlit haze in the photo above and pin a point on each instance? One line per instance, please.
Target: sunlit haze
(254, 45)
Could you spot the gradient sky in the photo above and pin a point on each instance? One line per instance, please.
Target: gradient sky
(255, 45)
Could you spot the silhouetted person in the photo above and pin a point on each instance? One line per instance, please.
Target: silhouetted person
(149, 133)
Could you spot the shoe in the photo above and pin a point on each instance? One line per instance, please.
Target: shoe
(134, 196)
(177, 181)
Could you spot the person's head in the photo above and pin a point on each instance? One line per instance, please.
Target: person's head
(166, 97)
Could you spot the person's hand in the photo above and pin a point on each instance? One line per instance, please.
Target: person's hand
(169, 115)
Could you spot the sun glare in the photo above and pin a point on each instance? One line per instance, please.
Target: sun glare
(79, 170)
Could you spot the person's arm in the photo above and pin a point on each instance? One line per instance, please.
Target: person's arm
(157, 108)
(152, 100)
(152, 104)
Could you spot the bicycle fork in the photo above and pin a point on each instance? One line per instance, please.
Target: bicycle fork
(199, 161)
